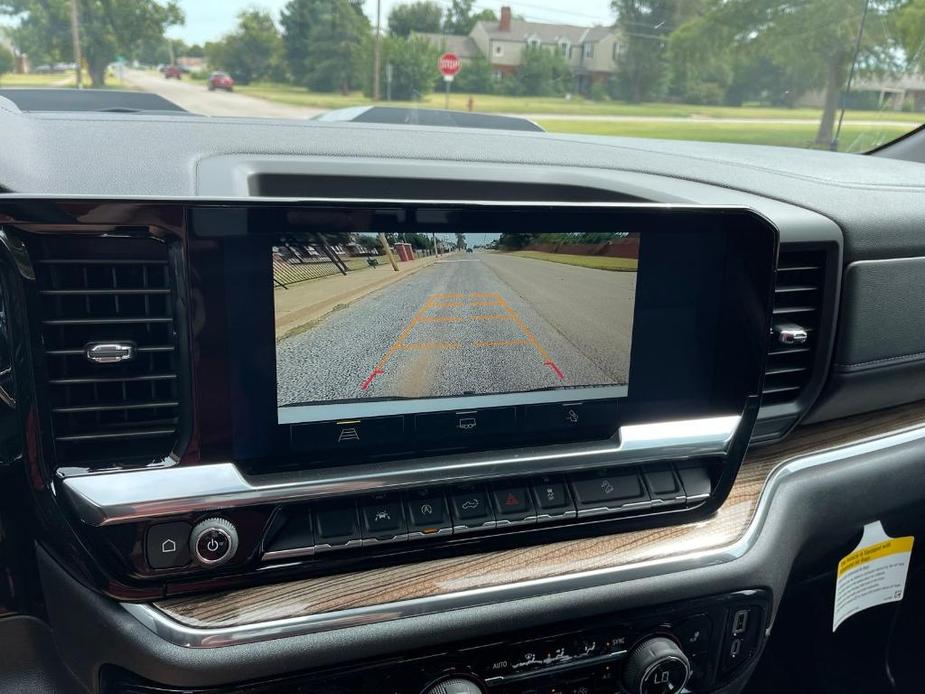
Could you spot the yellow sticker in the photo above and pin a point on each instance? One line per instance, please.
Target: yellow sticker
(873, 574)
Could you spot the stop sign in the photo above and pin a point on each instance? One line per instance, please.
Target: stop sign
(449, 64)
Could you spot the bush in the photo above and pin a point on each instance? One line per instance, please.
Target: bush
(707, 93)
(475, 77)
(542, 73)
(598, 92)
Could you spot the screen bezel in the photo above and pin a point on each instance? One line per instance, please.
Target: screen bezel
(725, 344)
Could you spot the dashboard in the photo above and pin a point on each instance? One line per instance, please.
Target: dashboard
(461, 475)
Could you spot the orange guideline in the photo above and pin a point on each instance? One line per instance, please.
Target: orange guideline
(451, 300)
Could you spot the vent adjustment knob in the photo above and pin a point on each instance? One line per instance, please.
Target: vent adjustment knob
(213, 542)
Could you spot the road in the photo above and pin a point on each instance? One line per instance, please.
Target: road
(470, 323)
(196, 98)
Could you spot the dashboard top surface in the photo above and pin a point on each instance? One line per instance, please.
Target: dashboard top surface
(149, 155)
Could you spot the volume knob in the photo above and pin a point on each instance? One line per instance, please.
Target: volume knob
(455, 685)
(656, 666)
(213, 542)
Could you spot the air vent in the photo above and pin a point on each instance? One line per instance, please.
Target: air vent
(118, 299)
(797, 306)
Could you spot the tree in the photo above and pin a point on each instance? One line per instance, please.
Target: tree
(252, 51)
(642, 67)
(475, 76)
(811, 43)
(460, 241)
(337, 42)
(297, 19)
(107, 28)
(542, 72)
(459, 18)
(512, 241)
(424, 16)
(911, 28)
(414, 66)
(7, 60)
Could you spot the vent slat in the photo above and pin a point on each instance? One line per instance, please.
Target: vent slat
(82, 352)
(100, 292)
(111, 436)
(785, 310)
(111, 290)
(797, 297)
(106, 321)
(115, 408)
(112, 379)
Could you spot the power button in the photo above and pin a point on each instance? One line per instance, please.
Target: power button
(213, 542)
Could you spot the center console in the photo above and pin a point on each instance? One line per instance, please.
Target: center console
(696, 646)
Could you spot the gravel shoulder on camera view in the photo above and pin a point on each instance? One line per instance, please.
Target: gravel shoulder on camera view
(474, 323)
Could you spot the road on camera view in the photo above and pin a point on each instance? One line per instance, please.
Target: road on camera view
(471, 323)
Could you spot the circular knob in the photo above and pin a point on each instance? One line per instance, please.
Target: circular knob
(213, 542)
(455, 685)
(656, 666)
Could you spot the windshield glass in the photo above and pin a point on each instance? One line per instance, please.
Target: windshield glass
(827, 74)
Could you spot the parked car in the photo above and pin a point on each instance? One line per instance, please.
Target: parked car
(172, 71)
(220, 80)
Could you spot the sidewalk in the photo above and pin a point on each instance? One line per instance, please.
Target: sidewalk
(304, 303)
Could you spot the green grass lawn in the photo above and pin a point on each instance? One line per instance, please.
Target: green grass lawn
(592, 261)
(493, 103)
(854, 138)
(60, 79)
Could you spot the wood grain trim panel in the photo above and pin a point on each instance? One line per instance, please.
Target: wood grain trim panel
(450, 575)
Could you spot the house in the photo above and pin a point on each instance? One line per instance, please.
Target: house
(591, 52)
(462, 46)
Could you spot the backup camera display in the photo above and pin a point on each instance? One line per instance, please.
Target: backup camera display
(463, 315)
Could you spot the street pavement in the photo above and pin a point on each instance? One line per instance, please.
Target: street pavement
(196, 98)
(469, 324)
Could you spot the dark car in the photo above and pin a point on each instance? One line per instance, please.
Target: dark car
(220, 80)
(172, 71)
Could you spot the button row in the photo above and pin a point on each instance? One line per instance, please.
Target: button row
(455, 427)
(435, 512)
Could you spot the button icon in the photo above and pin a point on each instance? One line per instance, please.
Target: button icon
(466, 423)
(511, 500)
(382, 515)
(470, 504)
(212, 545)
(550, 494)
(572, 417)
(348, 434)
(168, 547)
(606, 487)
(427, 510)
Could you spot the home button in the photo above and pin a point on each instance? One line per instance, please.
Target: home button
(167, 545)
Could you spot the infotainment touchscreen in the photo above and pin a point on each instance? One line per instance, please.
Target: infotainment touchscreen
(397, 317)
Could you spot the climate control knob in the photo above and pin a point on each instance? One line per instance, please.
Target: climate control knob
(656, 666)
(213, 542)
(455, 685)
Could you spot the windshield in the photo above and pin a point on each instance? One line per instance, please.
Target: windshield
(840, 75)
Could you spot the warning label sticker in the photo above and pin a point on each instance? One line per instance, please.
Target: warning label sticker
(873, 574)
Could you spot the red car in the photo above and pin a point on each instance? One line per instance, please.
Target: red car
(220, 80)
(172, 71)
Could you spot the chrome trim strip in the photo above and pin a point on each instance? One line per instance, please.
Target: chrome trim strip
(108, 498)
(192, 637)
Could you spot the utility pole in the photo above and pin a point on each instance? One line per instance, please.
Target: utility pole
(376, 51)
(75, 37)
(388, 251)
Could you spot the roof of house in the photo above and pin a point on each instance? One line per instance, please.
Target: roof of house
(463, 46)
(547, 33)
